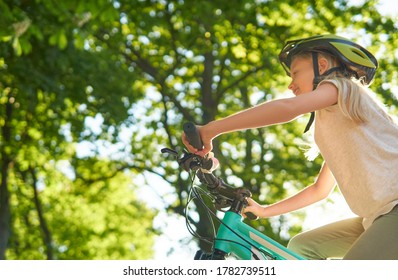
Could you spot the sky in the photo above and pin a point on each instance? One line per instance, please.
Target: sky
(388, 7)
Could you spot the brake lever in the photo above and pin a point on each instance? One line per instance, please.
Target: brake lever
(169, 151)
(245, 194)
(190, 162)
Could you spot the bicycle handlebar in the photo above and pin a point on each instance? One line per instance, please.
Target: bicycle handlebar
(193, 136)
(225, 195)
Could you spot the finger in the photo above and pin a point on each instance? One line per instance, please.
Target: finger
(185, 141)
(244, 215)
(247, 209)
(204, 151)
(250, 202)
(210, 155)
(201, 153)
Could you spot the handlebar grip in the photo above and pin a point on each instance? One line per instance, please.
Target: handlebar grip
(193, 135)
(251, 216)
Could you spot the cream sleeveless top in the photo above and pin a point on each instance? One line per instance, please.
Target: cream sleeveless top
(362, 157)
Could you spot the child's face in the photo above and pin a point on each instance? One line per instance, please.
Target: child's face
(302, 74)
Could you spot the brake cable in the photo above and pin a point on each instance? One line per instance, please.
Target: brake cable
(200, 199)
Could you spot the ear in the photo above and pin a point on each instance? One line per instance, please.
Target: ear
(323, 65)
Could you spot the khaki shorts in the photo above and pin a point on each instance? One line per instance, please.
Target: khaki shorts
(347, 239)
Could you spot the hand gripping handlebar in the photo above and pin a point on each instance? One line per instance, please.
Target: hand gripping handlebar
(214, 184)
(193, 135)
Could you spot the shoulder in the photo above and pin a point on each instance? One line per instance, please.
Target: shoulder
(330, 85)
(342, 85)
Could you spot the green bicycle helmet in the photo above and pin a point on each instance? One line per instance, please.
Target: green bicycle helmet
(354, 58)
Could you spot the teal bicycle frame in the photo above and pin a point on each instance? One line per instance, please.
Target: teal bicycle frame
(234, 236)
(246, 243)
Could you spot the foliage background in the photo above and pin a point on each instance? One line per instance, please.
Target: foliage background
(91, 90)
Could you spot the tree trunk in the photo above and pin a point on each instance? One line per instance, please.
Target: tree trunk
(4, 210)
(5, 216)
(208, 95)
(47, 239)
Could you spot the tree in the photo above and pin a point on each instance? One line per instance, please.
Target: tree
(50, 83)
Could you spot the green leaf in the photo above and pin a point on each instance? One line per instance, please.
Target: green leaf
(17, 46)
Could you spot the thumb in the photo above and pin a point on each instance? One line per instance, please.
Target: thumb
(207, 147)
(251, 202)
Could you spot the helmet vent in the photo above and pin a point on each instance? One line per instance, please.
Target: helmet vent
(358, 53)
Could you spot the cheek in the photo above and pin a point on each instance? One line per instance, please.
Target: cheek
(309, 81)
(306, 85)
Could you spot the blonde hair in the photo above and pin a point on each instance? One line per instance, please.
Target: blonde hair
(353, 95)
(350, 98)
(354, 98)
(350, 92)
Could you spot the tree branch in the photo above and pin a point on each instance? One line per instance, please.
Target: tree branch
(243, 77)
(47, 239)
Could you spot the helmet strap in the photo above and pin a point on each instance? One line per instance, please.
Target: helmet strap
(316, 69)
(315, 84)
(317, 79)
(310, 121)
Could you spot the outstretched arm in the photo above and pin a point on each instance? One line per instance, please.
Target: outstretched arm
(313, 193)
(268, 113)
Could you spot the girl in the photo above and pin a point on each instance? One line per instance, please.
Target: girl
(358, 141)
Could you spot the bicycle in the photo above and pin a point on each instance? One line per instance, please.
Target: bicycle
(234, 237)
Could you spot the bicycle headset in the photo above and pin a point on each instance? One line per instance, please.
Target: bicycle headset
(356, 61)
